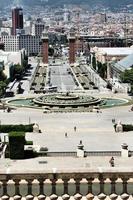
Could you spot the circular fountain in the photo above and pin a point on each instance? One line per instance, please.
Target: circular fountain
(66, 100)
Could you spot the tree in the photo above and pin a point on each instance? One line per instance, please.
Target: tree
(18, 71)
(102, 69)
(2, 76)
(94, 62)
(127, 76)
(2, 87)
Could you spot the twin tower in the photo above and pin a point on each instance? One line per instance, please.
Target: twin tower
(45, 46)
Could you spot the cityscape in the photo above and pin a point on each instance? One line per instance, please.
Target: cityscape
(66, 100)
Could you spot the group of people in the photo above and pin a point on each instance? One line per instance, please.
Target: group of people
(75, 128)
(8, 109)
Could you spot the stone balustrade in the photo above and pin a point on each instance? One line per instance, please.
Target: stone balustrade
(65, 184)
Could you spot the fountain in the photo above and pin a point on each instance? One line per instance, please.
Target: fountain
(65, 102)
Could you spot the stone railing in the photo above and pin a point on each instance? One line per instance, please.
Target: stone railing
(87, 153)
(101, 183)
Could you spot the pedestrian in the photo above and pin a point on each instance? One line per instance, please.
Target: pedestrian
(66, 135)
(111, 161)
(113, 121)
(75, 128)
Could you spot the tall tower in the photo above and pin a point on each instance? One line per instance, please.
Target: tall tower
(72, 48)
(17, 19)
(45, 47)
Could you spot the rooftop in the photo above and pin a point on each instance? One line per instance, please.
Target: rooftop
(115, 51)
(125, 63)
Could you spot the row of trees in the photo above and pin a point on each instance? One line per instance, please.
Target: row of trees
(99, 67)
(127, 77)
(3, 82)
(18, 70)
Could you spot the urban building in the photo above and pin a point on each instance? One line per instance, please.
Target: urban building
(104, 55)
(30, 43)
(9, 59)
(117, 68)
(17, 20)
(37, 28)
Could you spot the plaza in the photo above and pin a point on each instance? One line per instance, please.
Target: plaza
(94, 129)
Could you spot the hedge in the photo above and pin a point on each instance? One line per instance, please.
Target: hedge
(16, 145)
(28, 142)
(126, 127)
(16, 128)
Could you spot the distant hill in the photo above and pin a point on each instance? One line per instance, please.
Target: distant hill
(107, 3)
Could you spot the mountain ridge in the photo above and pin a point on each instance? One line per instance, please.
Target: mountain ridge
(105, 3)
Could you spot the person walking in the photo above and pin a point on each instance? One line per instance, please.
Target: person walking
(111, 161)
(75, 128)
(66, 135)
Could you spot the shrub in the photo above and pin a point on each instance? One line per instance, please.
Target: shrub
(126, 127)
(16, 128)
(28, 142)
(16, 145)
(43, 149)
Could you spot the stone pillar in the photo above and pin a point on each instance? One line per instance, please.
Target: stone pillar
(29, 185)
(65, 186)
(35, 128)
(124, 150)
(53, 184)
(119, 127)
(4, 182)
(45, 47)
(72, 49)
(41, 192)
(90, 184)
(77, 183)
(113, 182)
(101, 179)
(17, 192)
(80, 150)
(124, 184)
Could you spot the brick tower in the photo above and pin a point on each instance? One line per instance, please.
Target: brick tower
(72, 40)
(45, 47)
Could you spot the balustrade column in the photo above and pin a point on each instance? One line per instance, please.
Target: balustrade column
(41, 190)
(17, 190)
(124, 184)
(101, 184)
(90, 184)
(29, 185)
(4, 187)
(113, 183)
(65, 186)
(77, 183)
(53, 184)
